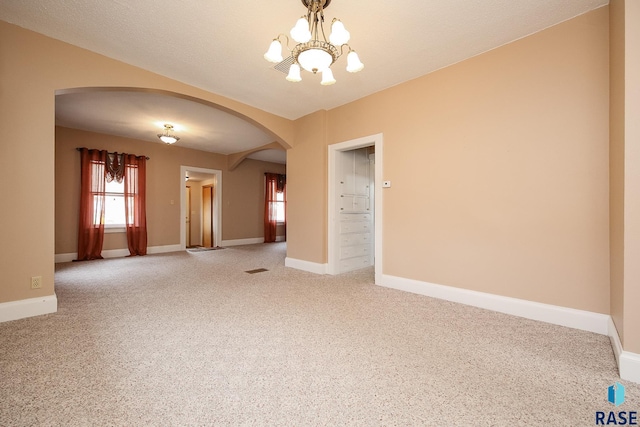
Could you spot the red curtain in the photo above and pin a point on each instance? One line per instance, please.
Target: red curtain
(276, 183)
(135, 203)
(92, 199)
(96, 168)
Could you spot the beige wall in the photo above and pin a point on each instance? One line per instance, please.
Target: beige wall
(499, 167)
(242, 189)
(625, 171)
(243, 196)
(632, 177)
(307, 190)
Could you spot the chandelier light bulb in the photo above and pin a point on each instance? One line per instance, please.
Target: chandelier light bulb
(274, 54)
(339, 34)
(300, 32)
(353, 62)
(294, 73)
(327, 77)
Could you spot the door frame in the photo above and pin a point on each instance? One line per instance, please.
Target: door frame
(217, 200)
(332, 231)
(187, 216)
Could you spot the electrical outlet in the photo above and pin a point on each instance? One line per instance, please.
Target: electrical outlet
(36, 282)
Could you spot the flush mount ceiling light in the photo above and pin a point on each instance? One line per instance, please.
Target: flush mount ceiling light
(167, 136)
(313, 52)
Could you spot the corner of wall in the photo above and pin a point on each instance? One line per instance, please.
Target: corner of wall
(628, 362)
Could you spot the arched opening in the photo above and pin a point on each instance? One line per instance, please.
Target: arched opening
(253, 121)
(132, 113)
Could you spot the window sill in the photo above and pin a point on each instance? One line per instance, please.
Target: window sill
(115, 229)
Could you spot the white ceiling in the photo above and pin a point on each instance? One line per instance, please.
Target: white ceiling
(219, 45)
(142, 115)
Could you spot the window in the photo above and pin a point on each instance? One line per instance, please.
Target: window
(107, 203)
(114, 216)
(279, 202)
(275, 211)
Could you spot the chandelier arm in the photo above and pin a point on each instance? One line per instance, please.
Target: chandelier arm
(286, 37)
(342, 48)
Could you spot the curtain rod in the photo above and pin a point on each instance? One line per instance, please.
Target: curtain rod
(80, 149)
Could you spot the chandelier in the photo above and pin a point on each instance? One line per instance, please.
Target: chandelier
(167, 136)
(313, 52)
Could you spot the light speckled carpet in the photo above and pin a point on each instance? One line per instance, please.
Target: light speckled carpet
(191, 339)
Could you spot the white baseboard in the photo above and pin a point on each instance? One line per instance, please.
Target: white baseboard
(628, 362)
(118, 253)
(240, 242)
(311, 267)
(14, 310)
(250, 241)
(615, 340)
(162, 249)
(563, 316)
(629, 366)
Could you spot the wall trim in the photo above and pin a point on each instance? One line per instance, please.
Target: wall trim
(250, 241)
(161, 249)
(376, 141)
(14, 310)
(628, 362)
(119, 253)
(311, 267)
(629, 366)
(557, 315)
(240, 242)
(217, 203)
(615, 339)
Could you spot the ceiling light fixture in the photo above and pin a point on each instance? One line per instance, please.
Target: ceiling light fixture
(168, 137)
(313, 52)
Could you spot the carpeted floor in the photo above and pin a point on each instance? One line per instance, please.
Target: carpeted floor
(202, 248)
(191, 339)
